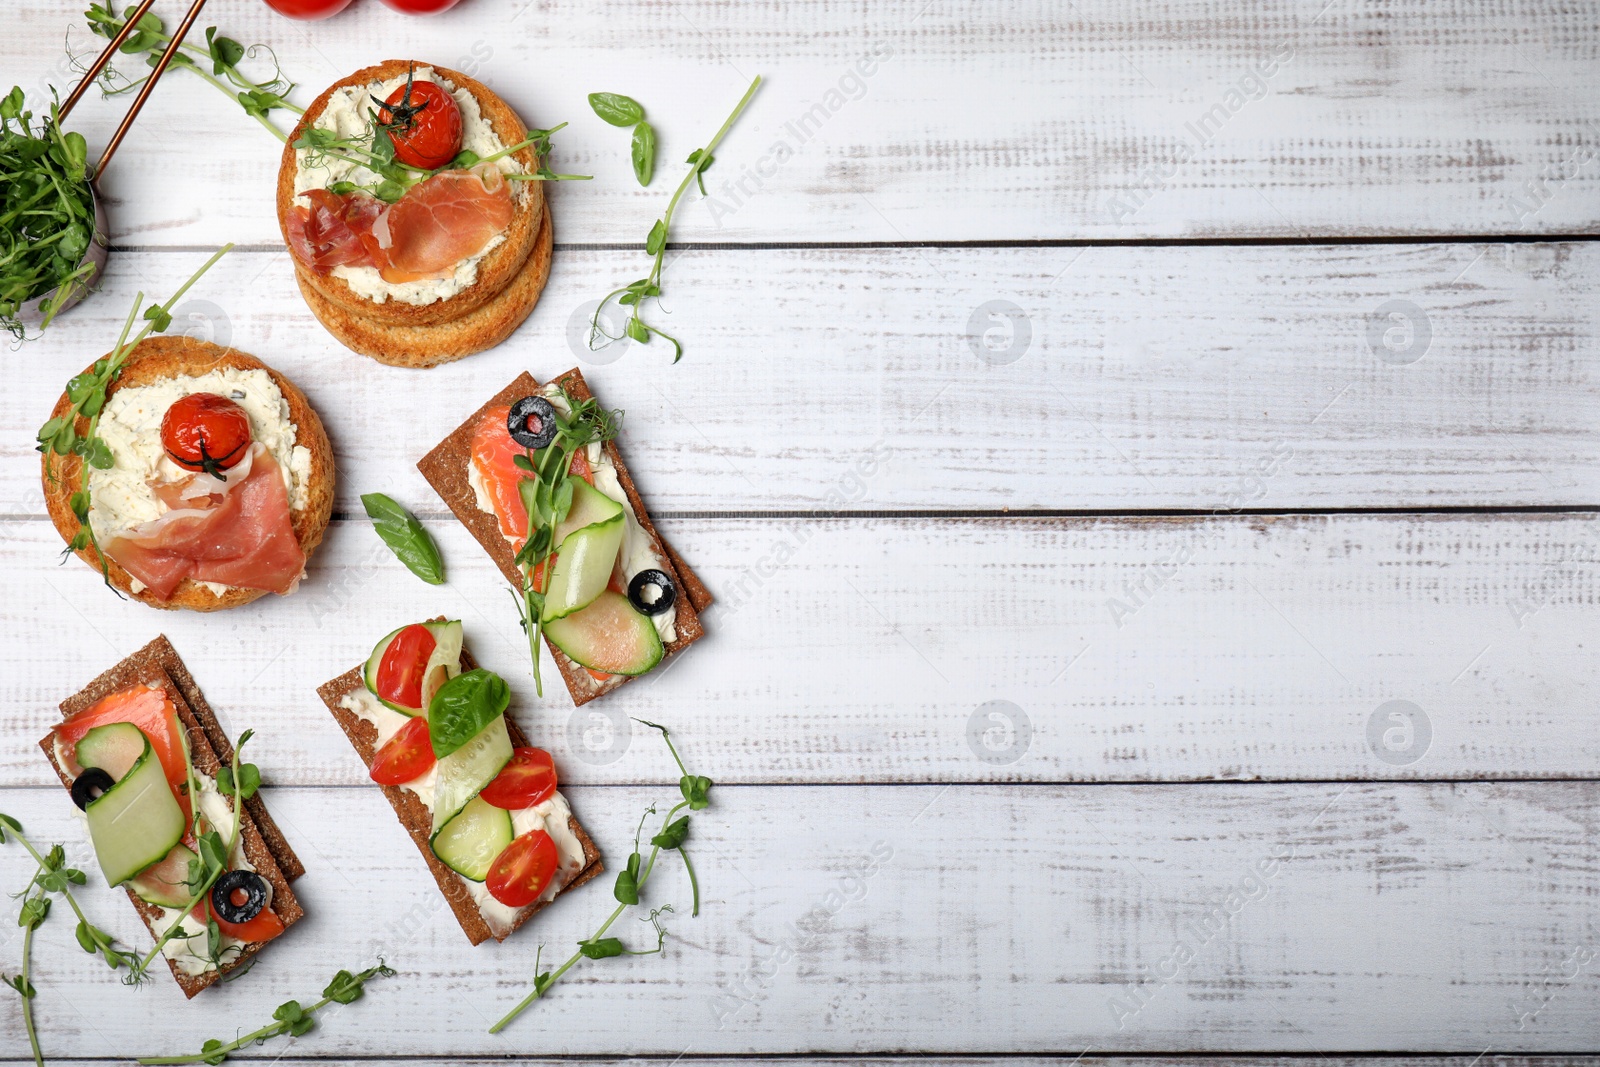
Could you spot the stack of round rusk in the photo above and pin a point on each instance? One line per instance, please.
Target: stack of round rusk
(419, 329)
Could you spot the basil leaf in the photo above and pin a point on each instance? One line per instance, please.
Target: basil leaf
(463, 706)
(644, 152)
(616, 109)
(405, 536)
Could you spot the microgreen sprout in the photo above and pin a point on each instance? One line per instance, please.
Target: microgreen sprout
(634, 294)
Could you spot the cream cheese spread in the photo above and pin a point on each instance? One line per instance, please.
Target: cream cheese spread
(553, 816)
(348, 114)
(187, 947)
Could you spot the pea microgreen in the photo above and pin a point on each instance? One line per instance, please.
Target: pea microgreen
(289, 1019)
(406, 536)
(630, 881)
(60, 436)
(223, 55)
(547, 497)
(52, 876)
(634, 294)
(214, 851)
(46, 213)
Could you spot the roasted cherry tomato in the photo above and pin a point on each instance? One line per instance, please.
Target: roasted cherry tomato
(424, 123)
(205, 432)
(529, 779)
(309, 10)
(406, 756)
(422, 7)
(404, 661)
(523, 869)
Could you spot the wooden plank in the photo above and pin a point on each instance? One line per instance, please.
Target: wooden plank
(914, 121)
(1204, 379)
(1418, 917)
(890, 1059)
(874, 650)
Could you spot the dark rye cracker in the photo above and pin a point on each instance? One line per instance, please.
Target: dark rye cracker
(158, 664)
(418, 821)
(445, 468)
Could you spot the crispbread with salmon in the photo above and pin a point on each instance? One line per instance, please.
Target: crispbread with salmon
(498, 267)
(158, 358)
(446, 469)
(158, 664)
(406, 345)
(417, 820)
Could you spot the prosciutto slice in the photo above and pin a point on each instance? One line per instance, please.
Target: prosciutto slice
(236, 532)
(435, 225)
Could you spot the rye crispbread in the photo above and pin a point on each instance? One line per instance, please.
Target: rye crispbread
(418, 821)
(158, 664)
(445, 468)
(156, 358)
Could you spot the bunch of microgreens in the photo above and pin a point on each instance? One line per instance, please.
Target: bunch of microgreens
(547, 496)
(290, 1018)
(373, 150)
(52, 876)
(86, 396)
(696, 790)
(634, 294)
(46, 212)
(150, 40)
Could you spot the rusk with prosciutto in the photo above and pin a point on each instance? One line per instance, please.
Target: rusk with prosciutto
(220, 480)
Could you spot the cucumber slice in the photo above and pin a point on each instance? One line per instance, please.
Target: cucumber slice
(590, 507)
(137, 821)
(608, 636)
(444, 664)
(464, 773)
(114, 748)
(469, 843)
(165, 883)
(583, 568)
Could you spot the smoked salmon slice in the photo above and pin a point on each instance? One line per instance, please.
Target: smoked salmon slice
(151, 710)
(494, 456)
(239, 536)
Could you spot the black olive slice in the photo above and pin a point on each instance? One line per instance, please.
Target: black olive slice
(532, 422)
(662, 581)
(90, 786)
(256, 890)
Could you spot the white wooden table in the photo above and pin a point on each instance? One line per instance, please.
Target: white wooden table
(997, 389)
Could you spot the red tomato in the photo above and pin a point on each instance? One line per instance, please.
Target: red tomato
(424, 123)
(309, 10)
(404, 661)
(521, 872)
(422, 7)
(529, 779)
(205, 432)
(406, 756)
(264, 927)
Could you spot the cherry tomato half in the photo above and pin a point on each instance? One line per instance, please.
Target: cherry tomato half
(523, 869)
(404, 661)
(529, 779)
(308, 10)
(205, 432)
(422, 7)
(406, 756)
(424, 123)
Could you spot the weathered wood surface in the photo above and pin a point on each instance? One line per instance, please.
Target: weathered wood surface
(1432, 917)
(870, 650)
(941, 121)
(1204, 379)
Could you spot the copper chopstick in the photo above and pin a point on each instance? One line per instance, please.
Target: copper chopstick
(150, 83)
(105, 57)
